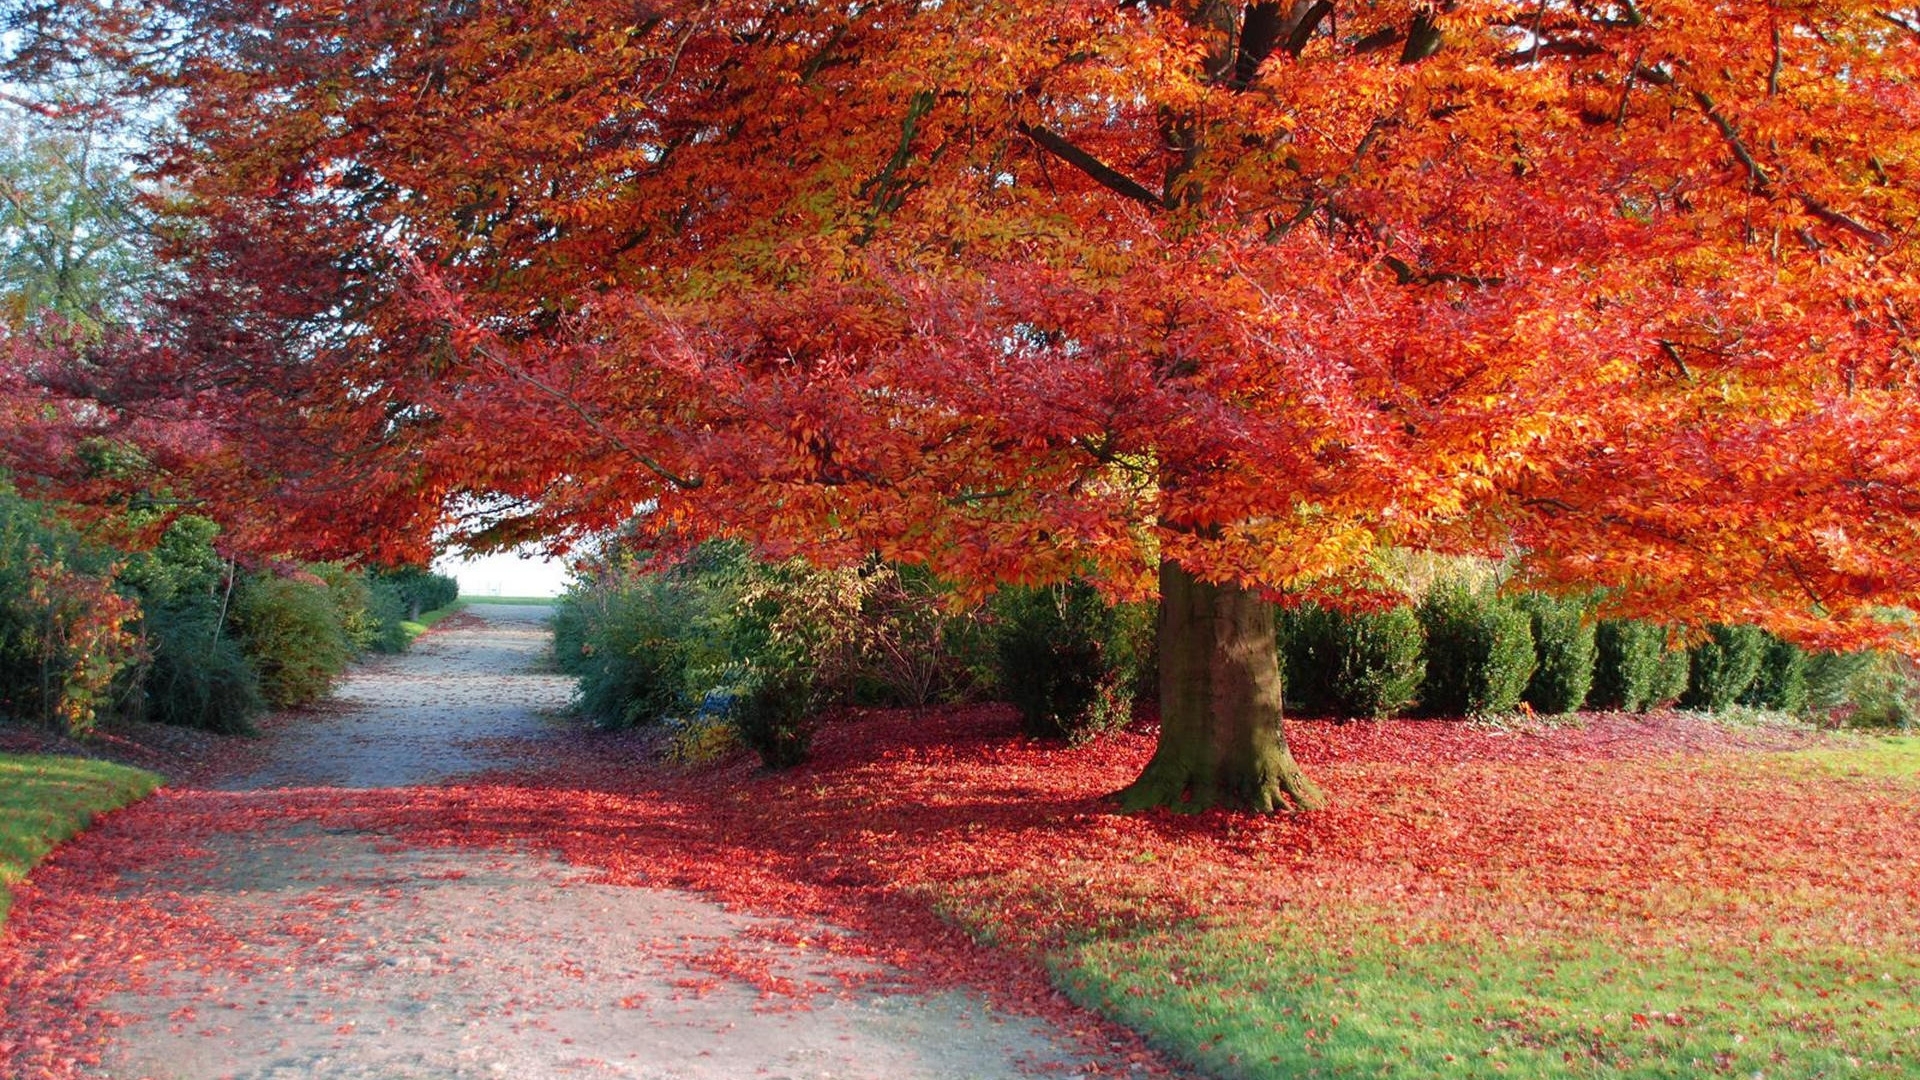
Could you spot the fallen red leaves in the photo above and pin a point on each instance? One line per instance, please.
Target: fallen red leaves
(1634, 826)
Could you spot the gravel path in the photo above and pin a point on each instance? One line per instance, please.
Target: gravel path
(372, 959)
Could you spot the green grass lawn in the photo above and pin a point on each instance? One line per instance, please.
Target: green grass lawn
(45, 800)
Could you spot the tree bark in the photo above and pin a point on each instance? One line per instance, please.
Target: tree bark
(1220, 738)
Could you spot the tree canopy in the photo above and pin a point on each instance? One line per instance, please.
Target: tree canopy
(1017, 290)
(1219, 297)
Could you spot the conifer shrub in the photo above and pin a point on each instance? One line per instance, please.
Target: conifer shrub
(1671, 677)
(1781, 683)
(1724, 666)
(1068, 660)
(1564, 650)
(1479, 652)
(1634, 670)
(199, 675)
(1351, 664)
(290, 630)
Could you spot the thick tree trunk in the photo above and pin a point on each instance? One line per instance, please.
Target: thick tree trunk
(1220, 737)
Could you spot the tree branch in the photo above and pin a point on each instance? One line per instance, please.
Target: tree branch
(1105, 175)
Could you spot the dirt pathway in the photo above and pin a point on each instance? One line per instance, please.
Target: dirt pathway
(346, 954)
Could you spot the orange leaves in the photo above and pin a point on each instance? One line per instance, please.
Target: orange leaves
(1017, 287)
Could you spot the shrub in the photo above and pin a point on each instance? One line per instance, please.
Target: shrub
(774, 714)
(630, 646)
(388, 609)
(1723, 666)
(290, 630)
(1634, 670)
(1068, 660)
(1671, 678)
(1865, 689)
(1782, 679)
(1479, 652)
(66, 637)
(920, 645)
(1360, 663)
(200, 676)
(1564, 651)
(420, 590)
(351, 593)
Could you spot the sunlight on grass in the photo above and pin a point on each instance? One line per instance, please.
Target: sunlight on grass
(45, 800)
(415, 627)
(1852, 757)
(1288, 1001)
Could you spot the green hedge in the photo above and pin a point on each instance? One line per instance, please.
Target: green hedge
(1479, 652)
(1068, 659)
(1724, 666)
(291, 631)
(1565, 652)
(1351, 664)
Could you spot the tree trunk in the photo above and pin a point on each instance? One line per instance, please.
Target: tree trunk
(1220, 737)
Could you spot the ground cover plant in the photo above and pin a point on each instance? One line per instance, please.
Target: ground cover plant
(45, 800)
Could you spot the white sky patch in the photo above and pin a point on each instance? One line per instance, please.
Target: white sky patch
(521, 572)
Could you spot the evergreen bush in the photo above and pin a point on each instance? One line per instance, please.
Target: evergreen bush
(1633, 668)
(1781, 683)
(199, 676)
(1068, 660)
(1479, 652)
(1671, 677)
(1564, 650)
(774, 714)
(1351, 664)
(1724, 666)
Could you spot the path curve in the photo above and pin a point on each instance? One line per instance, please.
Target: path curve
(367, 958)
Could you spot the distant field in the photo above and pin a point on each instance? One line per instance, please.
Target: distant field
(538, 601)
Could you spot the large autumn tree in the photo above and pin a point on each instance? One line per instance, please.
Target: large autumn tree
(1205, 298)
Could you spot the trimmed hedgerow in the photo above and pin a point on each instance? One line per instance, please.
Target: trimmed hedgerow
(1724, 666)
(1359, 664)
(1564, 651)
(1479, 652)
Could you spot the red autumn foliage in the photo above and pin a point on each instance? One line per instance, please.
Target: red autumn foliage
(1641, 828)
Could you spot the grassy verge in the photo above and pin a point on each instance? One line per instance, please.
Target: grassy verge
(416, 627)
(45, 800)
(1285, 1001)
